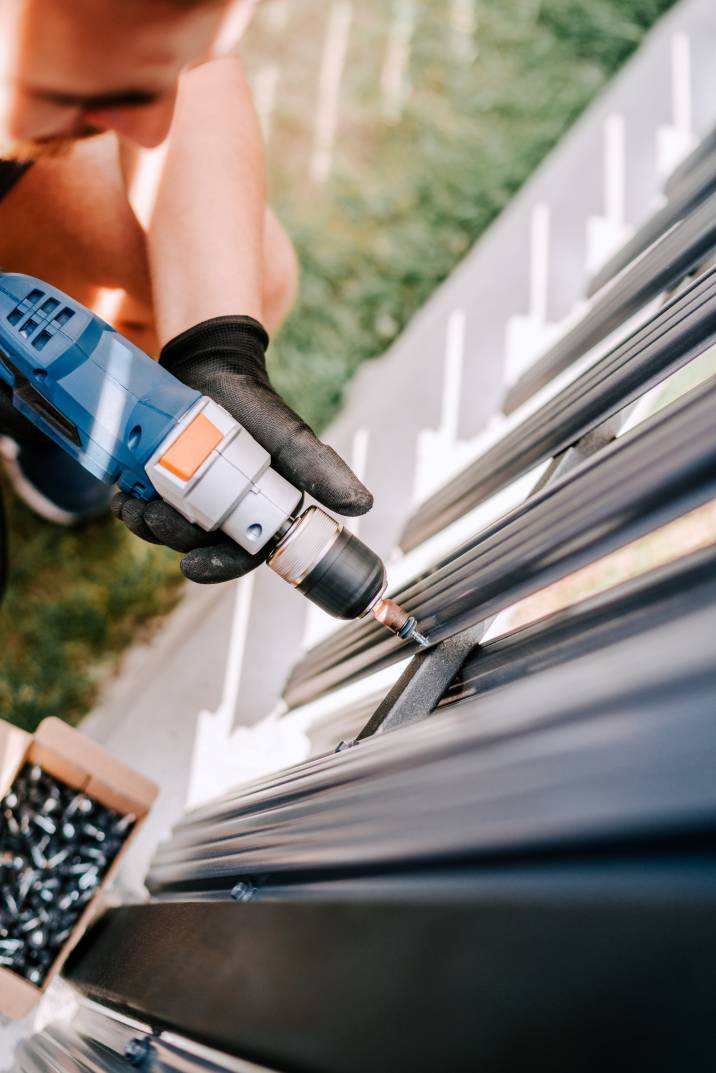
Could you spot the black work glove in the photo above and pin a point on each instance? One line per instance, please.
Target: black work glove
(224, 358)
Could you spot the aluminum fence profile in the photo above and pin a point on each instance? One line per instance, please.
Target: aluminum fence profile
(695, 186)
(680, 174)
(660, 596)
(60, 1050)
(608, 747)
(100, 1042)
(678, 332)
(658, 471)
(492, 984)
(664, 265)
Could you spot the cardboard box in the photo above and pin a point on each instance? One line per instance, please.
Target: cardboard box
(72, 758)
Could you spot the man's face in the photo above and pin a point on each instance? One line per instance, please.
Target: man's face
(73, 68)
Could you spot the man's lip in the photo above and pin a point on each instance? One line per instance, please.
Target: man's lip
(68, 135)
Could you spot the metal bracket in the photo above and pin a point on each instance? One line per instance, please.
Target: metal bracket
(415, 695)
(422, 683)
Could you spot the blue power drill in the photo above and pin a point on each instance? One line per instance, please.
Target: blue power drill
(129, 422)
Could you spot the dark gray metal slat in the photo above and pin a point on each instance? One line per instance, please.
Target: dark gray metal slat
(694, 187)
(612, 745)
(395, 987)
(672, 337)
(660, 470)
(661, 595)
(706, 147)
(664, 265)
(96, 1042)
(60, 1050)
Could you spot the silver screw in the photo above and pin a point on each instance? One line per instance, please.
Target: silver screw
(137, 1051)
(243, 892)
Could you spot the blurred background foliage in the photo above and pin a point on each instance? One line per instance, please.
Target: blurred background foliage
(445, 108)
(488, 89)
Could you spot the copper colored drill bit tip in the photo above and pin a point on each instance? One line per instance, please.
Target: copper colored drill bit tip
(392, 616)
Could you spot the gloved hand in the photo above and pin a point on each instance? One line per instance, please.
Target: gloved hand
(224, 358)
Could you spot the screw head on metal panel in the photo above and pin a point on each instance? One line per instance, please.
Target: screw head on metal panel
(137, 1051)
(243, 891)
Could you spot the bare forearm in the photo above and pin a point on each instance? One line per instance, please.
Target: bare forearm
(207, 228)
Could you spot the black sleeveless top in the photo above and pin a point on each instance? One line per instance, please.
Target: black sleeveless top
(10, 172)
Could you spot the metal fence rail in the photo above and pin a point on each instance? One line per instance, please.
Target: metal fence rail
(684, 328)
(99, 1042)
(681, 173)
(660, 596)
(659, 470)
(539, 764)
(664, 265)
(693, 187)
(468, 973)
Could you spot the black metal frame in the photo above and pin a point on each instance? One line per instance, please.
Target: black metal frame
(400, 987)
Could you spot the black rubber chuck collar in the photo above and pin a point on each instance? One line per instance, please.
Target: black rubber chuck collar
(347, 580)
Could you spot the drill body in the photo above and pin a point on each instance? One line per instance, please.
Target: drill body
(89, 389)
(130, 422)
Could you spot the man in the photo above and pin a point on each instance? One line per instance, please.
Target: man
(83, 85)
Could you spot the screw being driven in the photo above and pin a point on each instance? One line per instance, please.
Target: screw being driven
(137, 1051)
(392, 616)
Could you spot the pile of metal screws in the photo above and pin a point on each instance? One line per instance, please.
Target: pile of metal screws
(55, 846)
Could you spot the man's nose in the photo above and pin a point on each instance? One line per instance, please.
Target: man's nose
(145, 125)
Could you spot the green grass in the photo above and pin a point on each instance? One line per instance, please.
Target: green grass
(406, 201)
(76, 597)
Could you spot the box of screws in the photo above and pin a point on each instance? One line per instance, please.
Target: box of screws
(68, 811)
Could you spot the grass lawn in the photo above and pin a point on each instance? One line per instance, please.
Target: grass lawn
(418, 174)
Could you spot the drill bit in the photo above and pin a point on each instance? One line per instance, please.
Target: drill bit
(392, 616)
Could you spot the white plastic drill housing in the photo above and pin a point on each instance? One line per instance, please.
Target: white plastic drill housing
(216, 475)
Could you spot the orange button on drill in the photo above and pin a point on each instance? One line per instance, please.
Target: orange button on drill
(189, 450)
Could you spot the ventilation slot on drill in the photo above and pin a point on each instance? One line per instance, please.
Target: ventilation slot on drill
(29, 394)
(63, 317)
(39, 318)
(29, 327)
(23, 308)
(41, 340)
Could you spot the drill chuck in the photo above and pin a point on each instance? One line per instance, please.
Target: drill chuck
(330, 566)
